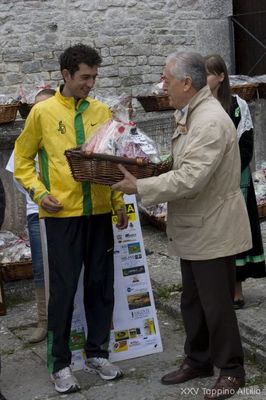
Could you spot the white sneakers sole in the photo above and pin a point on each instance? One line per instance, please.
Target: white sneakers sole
(64, 381)
(104, 377)
(103, 368)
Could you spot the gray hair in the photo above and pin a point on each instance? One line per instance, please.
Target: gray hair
(189, 64)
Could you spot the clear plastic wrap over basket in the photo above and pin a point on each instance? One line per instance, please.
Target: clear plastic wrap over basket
(120, 136)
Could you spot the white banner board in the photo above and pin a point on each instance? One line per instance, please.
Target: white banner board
(135, 331)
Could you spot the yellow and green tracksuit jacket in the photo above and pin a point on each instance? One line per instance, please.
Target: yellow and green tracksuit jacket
(53, 126)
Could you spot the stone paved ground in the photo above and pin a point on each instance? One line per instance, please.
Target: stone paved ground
(24, 375)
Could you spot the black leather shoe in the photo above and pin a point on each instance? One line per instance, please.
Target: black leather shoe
(185, 373)
(225, 387)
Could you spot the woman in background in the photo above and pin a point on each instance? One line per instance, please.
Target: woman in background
(250, 264)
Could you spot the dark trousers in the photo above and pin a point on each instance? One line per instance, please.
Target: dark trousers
(212, 335)
(72, 242)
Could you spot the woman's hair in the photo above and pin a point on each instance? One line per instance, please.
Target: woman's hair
(78, 54)
(215, 65)
(189, 64)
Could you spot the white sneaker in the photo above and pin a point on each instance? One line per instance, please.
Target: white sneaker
(64, 381)
(103, 367)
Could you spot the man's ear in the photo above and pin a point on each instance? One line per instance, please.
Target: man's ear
(66, 74)
(187, 83)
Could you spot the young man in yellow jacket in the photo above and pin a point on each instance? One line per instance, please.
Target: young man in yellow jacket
(77, 215)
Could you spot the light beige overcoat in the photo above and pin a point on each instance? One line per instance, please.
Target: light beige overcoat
(207, 216)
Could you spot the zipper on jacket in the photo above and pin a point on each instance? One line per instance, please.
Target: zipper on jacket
(80, 139)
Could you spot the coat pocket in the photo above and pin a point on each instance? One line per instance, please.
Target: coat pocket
(188, 220)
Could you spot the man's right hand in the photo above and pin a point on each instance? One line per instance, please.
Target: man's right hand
(50, 204)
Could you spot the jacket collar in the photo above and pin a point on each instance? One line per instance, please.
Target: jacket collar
(69, 102)
(181, 116)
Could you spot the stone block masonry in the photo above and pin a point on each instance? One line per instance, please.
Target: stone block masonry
(133, 37)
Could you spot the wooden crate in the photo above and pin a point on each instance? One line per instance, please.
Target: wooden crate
(262, 210)
(246, 91)
(158, 222)
(16, 271)
(8, 113)
(155, 103)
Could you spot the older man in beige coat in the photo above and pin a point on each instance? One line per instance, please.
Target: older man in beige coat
(207, 224)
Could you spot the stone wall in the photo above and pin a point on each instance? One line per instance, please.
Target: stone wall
(133, 37)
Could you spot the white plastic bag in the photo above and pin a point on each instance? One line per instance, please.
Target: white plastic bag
(120, 136)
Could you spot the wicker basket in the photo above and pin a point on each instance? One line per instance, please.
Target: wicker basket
(24, 109)
(158, 222)
(155, 103)
(262, 210)
(8, 113)
(103, 168)
(246, 91)
(16, 271)
(262, 90)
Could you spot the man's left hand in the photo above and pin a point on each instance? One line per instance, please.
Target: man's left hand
(122, 219)
(128, 185)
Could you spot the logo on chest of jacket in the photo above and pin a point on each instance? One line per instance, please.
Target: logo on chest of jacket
(61, 127)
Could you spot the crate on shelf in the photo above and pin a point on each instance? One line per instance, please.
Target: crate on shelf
(16, 271)
(155, 103)
(158, 222)
(246, 91)
(8, 113)
(262, 210)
